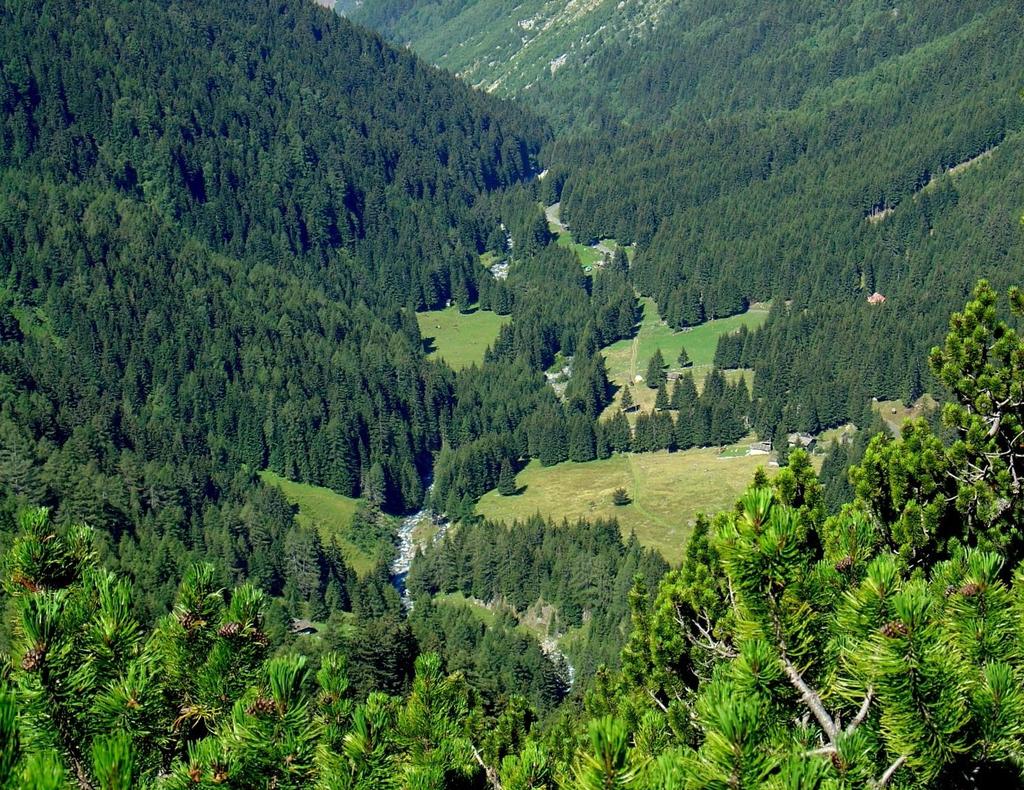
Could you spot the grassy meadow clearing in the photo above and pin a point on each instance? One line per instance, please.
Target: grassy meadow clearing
(460, 339)
(667, 490)
(329, 513)
(628, 358)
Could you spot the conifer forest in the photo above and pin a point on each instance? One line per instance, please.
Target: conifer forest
(476, 395)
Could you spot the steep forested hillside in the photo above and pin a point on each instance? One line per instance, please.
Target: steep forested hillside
(216, 220)
(785, 151)
(797, 203)
(878, 647)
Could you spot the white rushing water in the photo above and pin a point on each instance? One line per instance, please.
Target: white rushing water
(407, 547)
(403, 562)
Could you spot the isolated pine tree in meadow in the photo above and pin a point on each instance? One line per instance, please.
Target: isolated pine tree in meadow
(627, 399)
(506, 479)
(683, 360)
(656, 370)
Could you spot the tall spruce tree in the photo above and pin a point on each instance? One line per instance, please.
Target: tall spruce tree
(656, 370)
(627, 399)
(581, 438)
(506, 479)
(661, 399)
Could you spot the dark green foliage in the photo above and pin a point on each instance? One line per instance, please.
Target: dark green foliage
(834, 476)
(684, 393)
(576, 568)
(656, 375)
(582, 442)
(619, 261)
(628, 403)
(617, 433)
(499, 660)
(620, 497)
(235, 209)
(506, 479)
(552, 438)
(883, 630)
(661, 398)
(711, 174)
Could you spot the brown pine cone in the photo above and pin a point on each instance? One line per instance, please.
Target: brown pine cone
(34, 658)
(893, 629)
(230, 630)
(261, 706)
(188, 620)
(970, 590)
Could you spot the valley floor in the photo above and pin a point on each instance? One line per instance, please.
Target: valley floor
(667, 491)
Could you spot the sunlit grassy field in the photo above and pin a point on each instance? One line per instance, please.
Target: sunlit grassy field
(460, 339)
(667, 492)
(327, 512)
(627, 359)
(588, 256)
(894, 413)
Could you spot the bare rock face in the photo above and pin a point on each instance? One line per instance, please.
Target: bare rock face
(508, 56)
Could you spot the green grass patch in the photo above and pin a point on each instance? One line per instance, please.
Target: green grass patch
(627, 359)
(643, 396)
(35, 323)
(668, 490)
(424, 532)
(460, 339)
(825, 438)
(327, 512)
(587, 256)
(894, 413)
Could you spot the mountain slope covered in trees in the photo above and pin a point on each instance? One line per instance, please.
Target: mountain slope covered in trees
(878, 647)
(793, 152)
(512, 49)
(216, 220)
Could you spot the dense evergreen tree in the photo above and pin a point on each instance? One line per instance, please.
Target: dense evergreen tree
(618, 434)
(661, 398)
(582, 445)
(627, 402)
(506, 479)
(656, 375)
